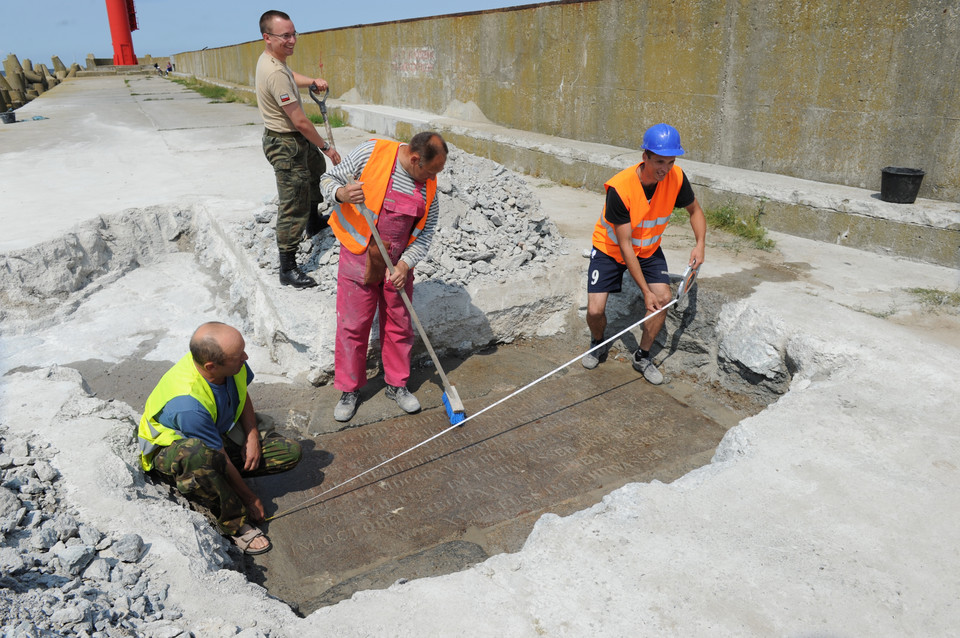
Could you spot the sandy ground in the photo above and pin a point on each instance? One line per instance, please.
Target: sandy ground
(833, 512)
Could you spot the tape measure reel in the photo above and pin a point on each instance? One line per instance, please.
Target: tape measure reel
(687, 280)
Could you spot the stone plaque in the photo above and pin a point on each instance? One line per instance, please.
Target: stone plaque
(557, 447)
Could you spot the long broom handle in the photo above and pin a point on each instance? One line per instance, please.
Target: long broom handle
(368, 215)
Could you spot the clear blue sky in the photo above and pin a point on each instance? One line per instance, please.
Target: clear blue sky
(71, 29)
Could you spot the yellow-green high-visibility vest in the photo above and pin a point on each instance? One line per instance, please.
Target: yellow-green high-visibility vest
(183, 379)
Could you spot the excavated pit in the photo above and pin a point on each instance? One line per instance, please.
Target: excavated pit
(478, 489)
(475, 491)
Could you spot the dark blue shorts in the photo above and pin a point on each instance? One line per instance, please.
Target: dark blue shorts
(606, 273)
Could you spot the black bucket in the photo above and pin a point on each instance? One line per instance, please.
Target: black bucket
(9, 117)
(900, 185)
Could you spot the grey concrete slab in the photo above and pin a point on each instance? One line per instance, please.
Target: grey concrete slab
(98, 152)
(170, 114)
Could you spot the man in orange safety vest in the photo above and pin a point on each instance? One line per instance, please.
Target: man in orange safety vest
(639, 203)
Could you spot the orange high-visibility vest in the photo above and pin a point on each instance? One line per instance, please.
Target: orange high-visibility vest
(348, 224)
(648, 220)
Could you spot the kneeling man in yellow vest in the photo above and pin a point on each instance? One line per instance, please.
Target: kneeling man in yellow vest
(199, 433)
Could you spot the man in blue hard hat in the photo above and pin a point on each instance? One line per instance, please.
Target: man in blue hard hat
(639, 202)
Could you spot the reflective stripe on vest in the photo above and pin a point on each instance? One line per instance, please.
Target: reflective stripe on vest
(648, 220)
(348, 224)
(183, 379)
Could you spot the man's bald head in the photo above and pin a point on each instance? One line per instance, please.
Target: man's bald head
(213, 342)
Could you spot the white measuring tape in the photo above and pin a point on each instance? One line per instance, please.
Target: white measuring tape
(687, 280)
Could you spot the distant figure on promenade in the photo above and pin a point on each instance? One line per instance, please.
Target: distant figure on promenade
(290, 143)
(199, 433)
(169, 68)
(398, 183)
(639, 202)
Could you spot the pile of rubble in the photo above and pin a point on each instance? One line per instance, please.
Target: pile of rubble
(490, 227)
(89, 547)
(59, 576)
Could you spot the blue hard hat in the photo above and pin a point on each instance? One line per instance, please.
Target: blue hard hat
(662, 139)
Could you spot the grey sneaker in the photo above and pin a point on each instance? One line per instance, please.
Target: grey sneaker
(346, 406)
(592, 358)
(407, 402)
(645, 367)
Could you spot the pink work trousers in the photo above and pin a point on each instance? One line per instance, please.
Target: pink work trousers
(356, 305)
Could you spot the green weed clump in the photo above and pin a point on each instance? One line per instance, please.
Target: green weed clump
(938, 299)
(215, 93)
(729, 218)
(335, 120)
(747, 226)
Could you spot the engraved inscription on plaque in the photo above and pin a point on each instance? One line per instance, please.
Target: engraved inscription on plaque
(549, 449)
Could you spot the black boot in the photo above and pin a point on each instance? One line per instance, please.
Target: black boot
(290, 273)
(316, 223)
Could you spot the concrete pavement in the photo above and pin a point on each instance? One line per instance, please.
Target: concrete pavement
(832, 512)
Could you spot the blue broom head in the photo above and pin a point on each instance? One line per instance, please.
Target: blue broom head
(455, 417)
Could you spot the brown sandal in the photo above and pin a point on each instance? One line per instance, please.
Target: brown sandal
(243, 541)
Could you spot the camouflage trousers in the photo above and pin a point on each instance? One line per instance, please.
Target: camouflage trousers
(200, 473)
(298, 165)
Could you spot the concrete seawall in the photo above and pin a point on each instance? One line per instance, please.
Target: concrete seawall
(822, 91)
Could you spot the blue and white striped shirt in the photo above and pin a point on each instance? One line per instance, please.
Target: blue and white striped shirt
(353, 164)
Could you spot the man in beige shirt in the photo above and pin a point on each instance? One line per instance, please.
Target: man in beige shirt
(291, 144)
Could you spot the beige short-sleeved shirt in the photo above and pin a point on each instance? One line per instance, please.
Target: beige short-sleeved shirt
(276, 89)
